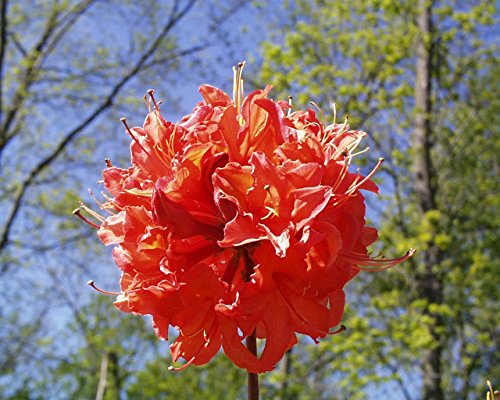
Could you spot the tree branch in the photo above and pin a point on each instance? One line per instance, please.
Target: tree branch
(23, 341)
(3, 46)
(173, 19)
(54, 31)
(31, 62)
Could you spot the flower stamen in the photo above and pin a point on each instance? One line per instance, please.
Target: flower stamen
(183, 367)
(364, 261)
(101, 206)
(274, 201)
(360, 152)
(111, 202)
(272, 213)
(238, 92)
(151, 93)
(78, 213)
(343, 172)
(340, 329)
(367, 177)
(92, 212)
(290, 104)
(92, 284)
(129, 131)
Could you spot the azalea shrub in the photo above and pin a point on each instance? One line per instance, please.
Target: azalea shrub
(243, 217)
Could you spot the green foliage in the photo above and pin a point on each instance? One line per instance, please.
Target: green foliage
(343, 52)
(122, 342)
(219, 379)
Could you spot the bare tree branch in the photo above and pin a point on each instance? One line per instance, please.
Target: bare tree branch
(107, 102)
(3, 46)
(395, 371)
(54, 31)
(32, 62)
(17, 44)
(12, 357)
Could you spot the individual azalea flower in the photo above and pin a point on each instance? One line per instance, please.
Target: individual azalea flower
(243, 219)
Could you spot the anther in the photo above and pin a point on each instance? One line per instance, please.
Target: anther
(92, 284)
(108, 162)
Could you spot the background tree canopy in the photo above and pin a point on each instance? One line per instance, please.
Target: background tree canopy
(420, 77)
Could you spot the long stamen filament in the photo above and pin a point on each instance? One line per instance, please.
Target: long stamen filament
(358, 184)
(345, 167)
(101, 206)
(148, 103)
(344, 125)
(238, 92)
(111, 201)
(78, 213)
(92, 212)
(92, 284)
(151, 95)
(364, 261)
(274, 201)
(360, 152)
(340, 329)
(183, 367)
(130, 133)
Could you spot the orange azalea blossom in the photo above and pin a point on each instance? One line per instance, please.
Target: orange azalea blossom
(242, 217)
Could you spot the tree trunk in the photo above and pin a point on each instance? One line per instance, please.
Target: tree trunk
(286, 371)
(430, 283)
(115, 373)
(103, 378)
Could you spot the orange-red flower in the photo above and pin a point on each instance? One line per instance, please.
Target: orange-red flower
(242, 217)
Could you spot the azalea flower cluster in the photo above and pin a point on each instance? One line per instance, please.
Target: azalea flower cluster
(242, 217)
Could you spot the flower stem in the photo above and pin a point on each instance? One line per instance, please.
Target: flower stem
(251, 341)
(253, 379)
